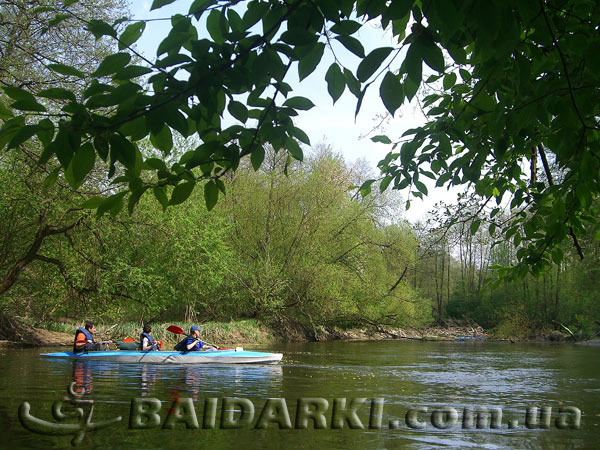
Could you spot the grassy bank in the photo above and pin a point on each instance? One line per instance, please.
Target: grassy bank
(250, 332)
(238, 332)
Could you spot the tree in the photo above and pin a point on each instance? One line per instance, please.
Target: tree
(516, 82)
(34, 211)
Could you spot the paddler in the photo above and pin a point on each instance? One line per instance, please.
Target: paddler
(191, 343)
(148, 342)
(84, 339)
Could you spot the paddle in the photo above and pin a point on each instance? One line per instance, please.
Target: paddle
(177, 330)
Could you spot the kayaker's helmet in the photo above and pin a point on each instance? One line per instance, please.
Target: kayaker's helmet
(195, 328)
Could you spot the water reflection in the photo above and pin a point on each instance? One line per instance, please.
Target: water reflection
(153, 379)
(83, 377)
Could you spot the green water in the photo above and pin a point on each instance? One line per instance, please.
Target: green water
(441, 376)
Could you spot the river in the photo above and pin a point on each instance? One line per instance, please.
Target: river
(398, 394)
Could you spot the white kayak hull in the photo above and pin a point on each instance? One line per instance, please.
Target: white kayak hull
(234, 356)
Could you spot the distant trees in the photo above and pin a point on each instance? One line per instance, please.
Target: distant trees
(513, 85)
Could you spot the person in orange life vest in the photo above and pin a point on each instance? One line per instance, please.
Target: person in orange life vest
(148, 342)
(84, 339)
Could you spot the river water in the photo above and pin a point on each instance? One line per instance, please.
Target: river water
(398, 394)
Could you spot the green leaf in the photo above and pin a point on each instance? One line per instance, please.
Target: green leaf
(407, 152)
(371, 63)
(81, 164)
(45, 132)
(475, 226)
(309, 62)
(160, 3)
(199, 6)
(217, 25)
(5, 113)
(114, 204)
(365, 188)
(181, 192)
(301, 103)
(430, 53)
(163, 140)
(50, 180)
(299, 36)
(257, 157)
(383, 185)
(443, 179)
(19, 94)
(123, 150)
(63, 69)
(352, 83)
(414, 64)
(346, 27)
(93, 203)
(100, 28)
(336, 82)
(57, 93)
(22, 135)
(410, 88)
(352, 44)
(131, 72)
(112, 64)
(238, 110)
(24, 105)
(211, 194)
(449, 80)
(420, 186)
(294, 149)
(161, 196)
(131, 34)
(381, 138)
(391, 92)
(300, 135)
(58, 18)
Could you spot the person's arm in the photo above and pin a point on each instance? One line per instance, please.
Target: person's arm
(145, 343)
(192, 343)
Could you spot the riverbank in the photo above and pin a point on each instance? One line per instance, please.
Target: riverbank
(251, 332)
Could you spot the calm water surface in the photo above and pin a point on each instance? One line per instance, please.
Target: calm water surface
(440, 376)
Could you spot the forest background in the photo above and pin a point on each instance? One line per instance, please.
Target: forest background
(292, 244)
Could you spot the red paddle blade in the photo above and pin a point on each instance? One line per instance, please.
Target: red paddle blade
(175, 329)
(128, 340)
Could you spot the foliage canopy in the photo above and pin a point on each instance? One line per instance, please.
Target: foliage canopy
(512, 82)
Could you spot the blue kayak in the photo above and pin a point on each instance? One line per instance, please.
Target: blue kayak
(233, 356)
